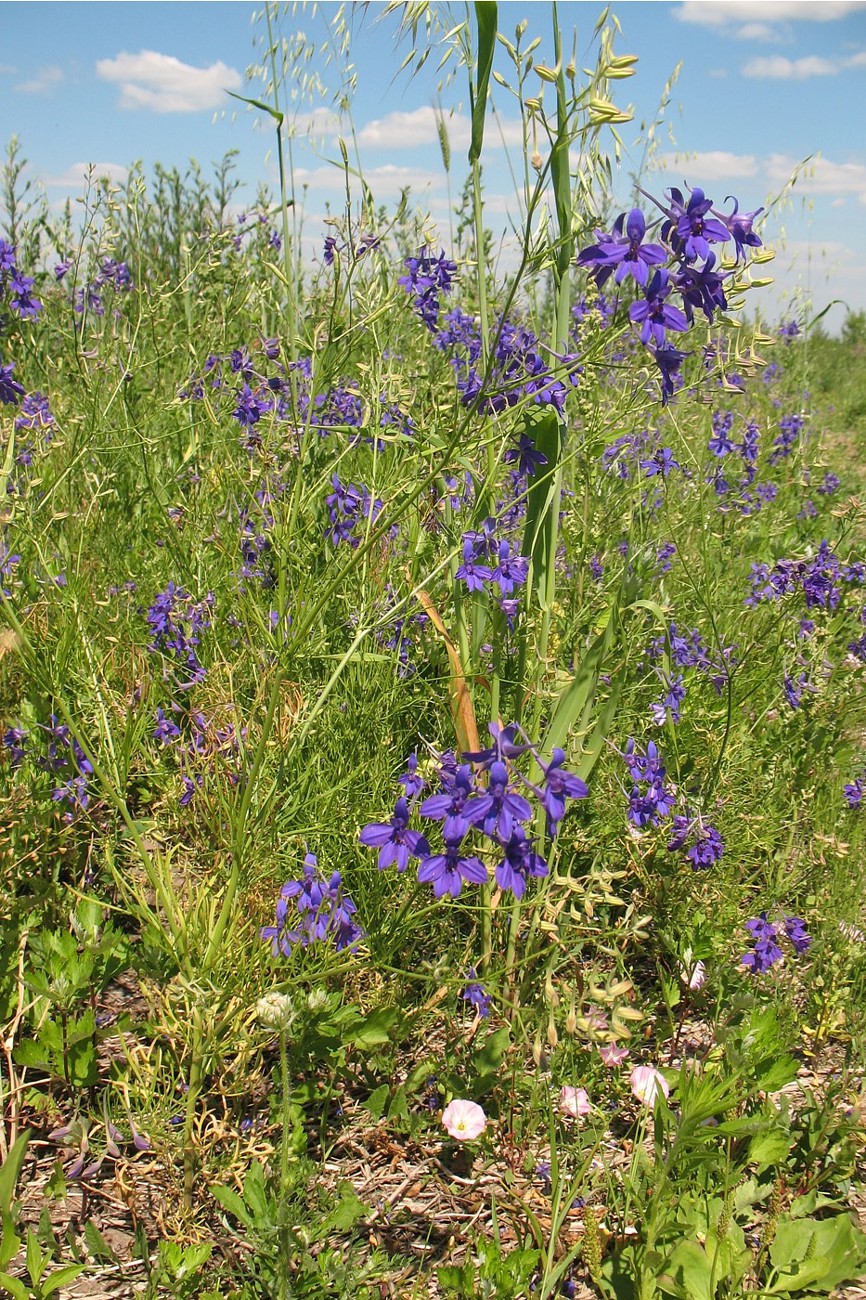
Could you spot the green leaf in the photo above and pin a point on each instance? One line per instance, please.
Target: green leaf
(772, 1075)
(377, 1101)
(96, 1244)
(261, 105)
(816, 1253)
(485, 18)
(231, 1201)
(61, 1277)
(488, 1058)
(688, 1273)
(11, 1169)
(768, 1149)
(14, 1287)
(375, 1028)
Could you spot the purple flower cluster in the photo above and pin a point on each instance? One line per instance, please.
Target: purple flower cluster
(487, 801)
(688, 650)
(61, 755)
(427, 277)
(765, 950)
(519, 372)
(111, 274)
(488, 562)
(683, 263)
(199, 746)
(176, 623)
(702, 843)
(650, 801)
(15, 287)
(350, 509)
(817, 579)
(313, 910)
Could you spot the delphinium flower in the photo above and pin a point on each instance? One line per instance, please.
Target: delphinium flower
(349, 508)
(740, 225)
(520, 862)
(9, 561)
(721, 443)
(790, 430)
(71, 769)
(511, 570)
(15, 742)
(177, 623)
(650, 801)
(426, 278)
(449, 805)
(655, 314)
(669, 361)
(670, 704)
(525, 455)
(312, 910)
(559, 785)
(411, 782)
(470, 572)
(795, 929)
(498, 807)
(449, 871)
(789, 330)
(690, 228)
(623, 253)
(765, 951)
(475, 995)
(661, 463)
(11, 391)
(854, 790)
(794, 689)
(395, 840)
(702, 843)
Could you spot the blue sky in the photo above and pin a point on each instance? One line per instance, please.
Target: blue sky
(763, 86)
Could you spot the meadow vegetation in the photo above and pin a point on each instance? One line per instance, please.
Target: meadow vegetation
(433, 733)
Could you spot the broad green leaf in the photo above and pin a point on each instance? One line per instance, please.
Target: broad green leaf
(377, 1101)
(688, 1273)
(61, 1277)
(375, 1028)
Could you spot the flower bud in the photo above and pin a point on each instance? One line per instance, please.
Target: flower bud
(276, 1011)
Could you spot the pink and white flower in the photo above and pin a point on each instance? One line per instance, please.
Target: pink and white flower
(611, 1054)
(647, 1083)
(574, 1102)
(464, 1120)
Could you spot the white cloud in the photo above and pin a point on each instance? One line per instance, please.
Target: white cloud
(820, 176)
(46, 79)
(757, 32)
(76, 176)
(711, 165)
(386, 181)
(418, 126)
(162, 83)
(778, 68)
(718, 13)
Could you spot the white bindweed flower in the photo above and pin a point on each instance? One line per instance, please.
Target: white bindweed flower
(693, 973)
(574, 1102)
(464, 1120)
(647, 1083)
